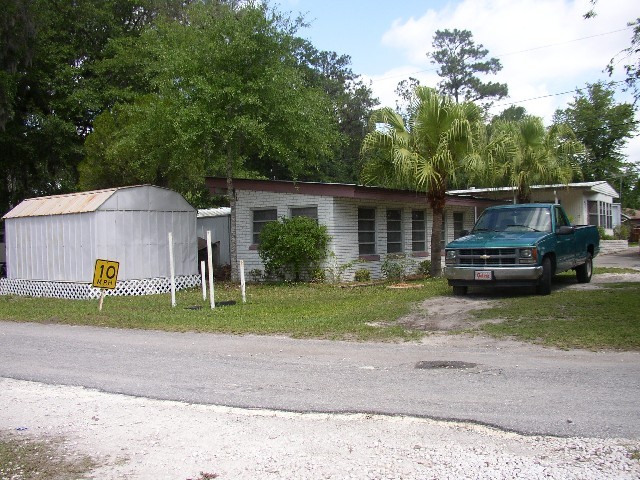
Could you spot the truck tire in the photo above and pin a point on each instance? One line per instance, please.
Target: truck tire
(544, 284)
(584, 271)
(459, 290)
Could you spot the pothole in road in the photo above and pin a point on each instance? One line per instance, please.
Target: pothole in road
(444, 364)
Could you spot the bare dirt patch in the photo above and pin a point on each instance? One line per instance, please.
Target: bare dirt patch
(446, 314)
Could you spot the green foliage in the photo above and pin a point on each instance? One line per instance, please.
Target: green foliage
(603, 234)
(429, 151)
(534, 155)
(335, 271)
(256, 275)
(290, 246)
(604, 127)
(362, 275)
(394, 267)
(622, 232)
(459, 62)
(242, 105)
(424, 268)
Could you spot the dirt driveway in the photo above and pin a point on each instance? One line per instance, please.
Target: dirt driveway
(452, 313)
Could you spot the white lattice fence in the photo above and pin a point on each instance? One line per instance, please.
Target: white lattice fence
(79, 291)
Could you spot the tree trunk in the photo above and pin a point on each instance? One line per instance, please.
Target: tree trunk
(437, 202)
(231, 196)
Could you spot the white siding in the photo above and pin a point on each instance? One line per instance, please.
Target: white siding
(340, 216)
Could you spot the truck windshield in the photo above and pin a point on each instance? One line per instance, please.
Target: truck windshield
(536, 219)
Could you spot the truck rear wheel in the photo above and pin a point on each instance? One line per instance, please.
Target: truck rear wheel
(584, 271)
(544, 284)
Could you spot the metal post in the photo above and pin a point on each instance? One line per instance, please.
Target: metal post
(172, 271)
(212, 300)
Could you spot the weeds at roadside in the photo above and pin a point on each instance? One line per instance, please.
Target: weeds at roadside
(23, 458)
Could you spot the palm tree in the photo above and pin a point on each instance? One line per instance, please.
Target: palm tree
(537, 155)
(427, 153)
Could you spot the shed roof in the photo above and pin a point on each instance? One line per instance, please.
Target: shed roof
(214, 212)
(80, 202)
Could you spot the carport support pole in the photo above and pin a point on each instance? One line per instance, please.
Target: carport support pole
(204, 281)
(172, 271)
(212, 299)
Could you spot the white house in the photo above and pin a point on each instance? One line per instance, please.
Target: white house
(53, 242)
(365, 223)
(586, 203)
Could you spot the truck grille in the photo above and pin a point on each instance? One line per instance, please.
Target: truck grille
(487, 256)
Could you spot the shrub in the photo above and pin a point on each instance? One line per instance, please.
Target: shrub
(622, 232)
(603, 234)
(394, 267)
(255, 274)
(335, 270)
(292, 245)
(362, 275)
(424, 268)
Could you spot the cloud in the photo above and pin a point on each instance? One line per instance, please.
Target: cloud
(545, 46)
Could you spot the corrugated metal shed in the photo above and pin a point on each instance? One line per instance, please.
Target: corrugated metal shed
(61, 204)
(59, 238)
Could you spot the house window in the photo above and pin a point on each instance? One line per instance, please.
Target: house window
(592, 207)
(394, 231)
(366, 231)
(311, 212)
(443, 231)
(600, 214)
(458, 224)
(418, 231)
(260, 219)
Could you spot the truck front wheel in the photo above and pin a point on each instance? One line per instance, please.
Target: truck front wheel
(544, 284)
(584, 271)
(459, 290)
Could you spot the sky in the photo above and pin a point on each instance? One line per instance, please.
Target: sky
(546, 47)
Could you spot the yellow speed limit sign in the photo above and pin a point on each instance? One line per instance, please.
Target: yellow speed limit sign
(105, 274)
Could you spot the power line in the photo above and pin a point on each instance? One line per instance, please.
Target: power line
(513, 53)
(575, 90)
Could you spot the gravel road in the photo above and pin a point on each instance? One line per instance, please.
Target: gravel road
(137, 438)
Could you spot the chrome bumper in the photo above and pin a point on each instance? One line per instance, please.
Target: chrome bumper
(500, 274)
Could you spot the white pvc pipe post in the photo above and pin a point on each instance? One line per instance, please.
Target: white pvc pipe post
(212, 300)
(172, 271)
(204, 281)
(242, 282)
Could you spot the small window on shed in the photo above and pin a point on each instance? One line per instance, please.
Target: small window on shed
(260, 219)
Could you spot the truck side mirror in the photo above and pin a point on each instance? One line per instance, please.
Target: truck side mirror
(564, 230)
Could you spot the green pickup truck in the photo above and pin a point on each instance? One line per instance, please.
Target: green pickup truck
(521, 245)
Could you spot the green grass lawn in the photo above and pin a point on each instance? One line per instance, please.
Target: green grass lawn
(298, 310)
(604, 318)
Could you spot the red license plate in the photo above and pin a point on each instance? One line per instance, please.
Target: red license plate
(484, 275)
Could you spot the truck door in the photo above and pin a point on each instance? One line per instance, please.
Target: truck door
(565, 244)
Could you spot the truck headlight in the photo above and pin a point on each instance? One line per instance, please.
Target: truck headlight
(527, 255)
(450, 257)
